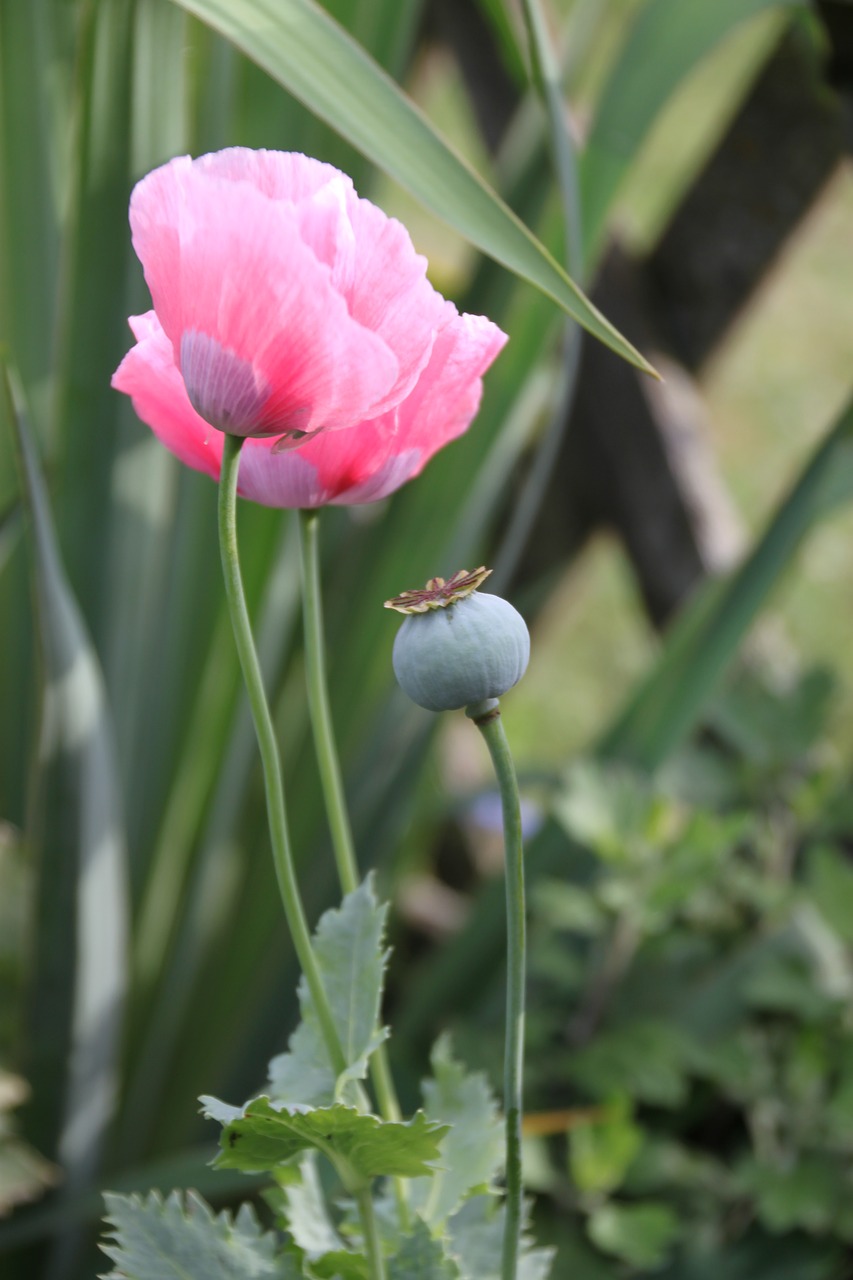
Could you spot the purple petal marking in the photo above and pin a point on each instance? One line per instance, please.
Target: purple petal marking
(224, 389)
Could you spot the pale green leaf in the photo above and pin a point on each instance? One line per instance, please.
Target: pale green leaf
(301, 1209)
(473, 1149)
(317, 61)
(180, 1239)
(351, 958)
(420, 1257)
(476, 1240)
(263, 1135)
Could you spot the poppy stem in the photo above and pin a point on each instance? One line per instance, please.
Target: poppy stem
(372, 1239)
(487, 718)
(279, 834)
(318, 703)
(332, 782)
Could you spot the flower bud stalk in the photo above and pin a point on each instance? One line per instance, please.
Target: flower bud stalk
(487, 717)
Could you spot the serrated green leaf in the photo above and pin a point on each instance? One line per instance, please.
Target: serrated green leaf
(317, 61)
(180, 1239)
(473, 1149)
(264, 1134)
(351, 959)
(421, 1257)
(300, 1208)
(476, 1242)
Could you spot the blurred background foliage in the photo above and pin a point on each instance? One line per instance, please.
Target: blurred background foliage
(681, 553)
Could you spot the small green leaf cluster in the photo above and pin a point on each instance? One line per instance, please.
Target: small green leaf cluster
(431, 1178)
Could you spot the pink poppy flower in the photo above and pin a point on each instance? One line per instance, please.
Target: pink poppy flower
(292, 312)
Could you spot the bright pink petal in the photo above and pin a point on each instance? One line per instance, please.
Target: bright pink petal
(286, 304)
(375, 267)
(224, 261)
(360, 465)
(387, 291)
(374, 459)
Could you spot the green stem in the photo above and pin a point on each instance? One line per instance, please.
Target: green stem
(332, 782)
(487, 718)
(373, 1244)
(318, 703)
(279, 836)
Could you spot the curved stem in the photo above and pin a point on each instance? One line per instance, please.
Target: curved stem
(373, 1244)
(488, 721)
(279, 835)
(318, 703)
(332, 781)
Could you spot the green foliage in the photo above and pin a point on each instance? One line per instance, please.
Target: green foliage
(262, 1135)
(692, 961)
(472, 1152)
(812, 1194)
(641, 1235)
(830, 881)
(351, 960)
(301, 1209)
(476, 1232)
(180, 1239)
(643, 1058)
(708, 955)
(420, 1257)
(602, 1151)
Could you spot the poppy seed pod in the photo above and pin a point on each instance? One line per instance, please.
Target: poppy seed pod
(458, 647)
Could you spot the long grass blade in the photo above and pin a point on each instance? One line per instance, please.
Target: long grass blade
(296, 42)
(546, 79)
